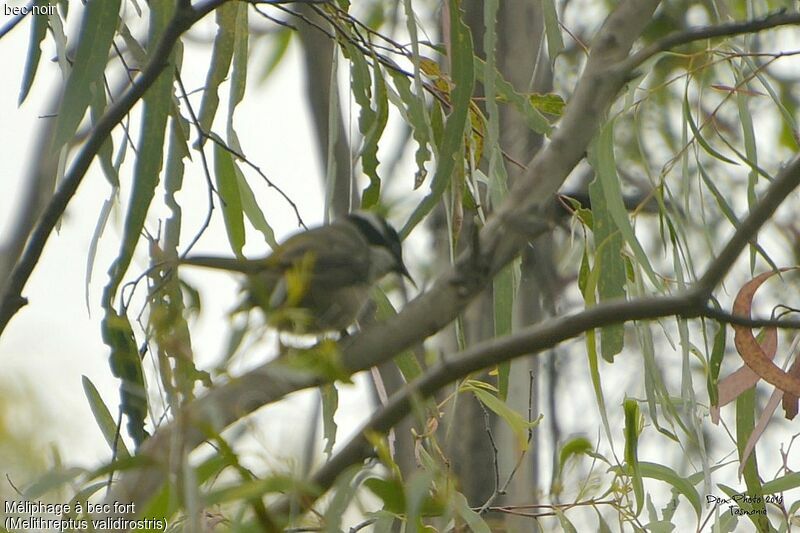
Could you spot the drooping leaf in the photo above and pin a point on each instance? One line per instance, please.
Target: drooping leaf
(609, 266)
(471, 519)
(38, 33)
(106, 423)
(555, 43)
(253, 211)
(680, 484)
(518, 424)
(748, 347)
(330, 403)
(463, 73)
(220, 63)
(745, 423)
(632, 420)
(126, 366)
(97, 28)
(371, 122)
(417, 117)
(228, 186)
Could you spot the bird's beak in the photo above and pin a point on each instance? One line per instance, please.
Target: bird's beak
(403, 271)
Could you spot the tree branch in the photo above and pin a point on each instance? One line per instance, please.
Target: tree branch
(708, 32)
(786, 181)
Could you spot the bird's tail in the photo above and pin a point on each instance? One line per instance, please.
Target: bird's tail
(231, 264)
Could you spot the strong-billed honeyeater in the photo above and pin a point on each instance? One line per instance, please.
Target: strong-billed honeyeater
(318, 280)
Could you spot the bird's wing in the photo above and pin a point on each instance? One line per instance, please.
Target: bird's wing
(337, 254)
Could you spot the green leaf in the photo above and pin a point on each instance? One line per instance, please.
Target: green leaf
(782, 484)
(566, 525)
(330, 403)
(343, 492)
(149, 159)
(572, 448)
(602, 525)
(681, 484)
(729, 213)
(52, 480)
(591, 355)
(250, 490)
(555, 43)
(518, 424)
(472, 519)
(38, 33)
(463, 71)
(417, 493)
(98, 25)
(390, 491)
(91, 254)
(603, 148)
(417, 117)
(279, 44)
(550, 103)
(221, 56)
(127, 367)
(106, 423)
(371, 123)
(253, 211)
(173, 180)
(745, 422)
(240, 54)
(505, 92)
(632, 417)
(406, 361)
(687, 115)
(228, 187)
(714, 364)
(609, 266)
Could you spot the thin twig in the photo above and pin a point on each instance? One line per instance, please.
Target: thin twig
(204, 160)
(219, 142)
(487, 423)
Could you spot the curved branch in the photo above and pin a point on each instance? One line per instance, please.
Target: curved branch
(729, 29)
(183, 19)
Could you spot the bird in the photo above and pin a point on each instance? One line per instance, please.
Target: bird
(318, 280)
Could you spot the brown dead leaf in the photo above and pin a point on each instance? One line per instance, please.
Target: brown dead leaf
(743, 378)
(748, 347)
